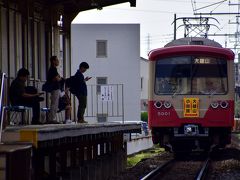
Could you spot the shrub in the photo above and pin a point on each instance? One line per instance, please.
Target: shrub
(144, 116)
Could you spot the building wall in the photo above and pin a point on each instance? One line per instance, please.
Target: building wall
(121, 66)
(144, 83)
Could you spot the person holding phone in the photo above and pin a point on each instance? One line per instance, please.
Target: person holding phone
(79, 83)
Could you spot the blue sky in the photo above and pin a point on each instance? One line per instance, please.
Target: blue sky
(156, 16)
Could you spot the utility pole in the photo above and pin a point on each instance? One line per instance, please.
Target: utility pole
(148, 43)
(175, 27)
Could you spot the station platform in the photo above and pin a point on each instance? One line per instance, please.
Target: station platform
(72, 151)
(39, 135)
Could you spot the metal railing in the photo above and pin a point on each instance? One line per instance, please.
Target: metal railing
(104, 101)
(1, 106)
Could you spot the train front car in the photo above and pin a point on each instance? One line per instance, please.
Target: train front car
(191, 94)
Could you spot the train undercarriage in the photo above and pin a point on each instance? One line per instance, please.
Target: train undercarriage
(190, 138)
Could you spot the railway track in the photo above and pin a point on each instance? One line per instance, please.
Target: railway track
(203, 171)
(158, 170)
(175, 169)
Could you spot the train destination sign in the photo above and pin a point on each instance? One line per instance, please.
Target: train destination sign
(202, 61)
(191, 107)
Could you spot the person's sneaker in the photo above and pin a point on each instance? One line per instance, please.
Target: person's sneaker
(69, 121)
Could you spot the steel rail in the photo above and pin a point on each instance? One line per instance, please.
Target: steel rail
(157, 170)
(203, 170)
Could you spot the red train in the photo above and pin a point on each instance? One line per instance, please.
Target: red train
(191, 94)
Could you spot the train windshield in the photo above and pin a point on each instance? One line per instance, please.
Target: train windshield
(191, 75)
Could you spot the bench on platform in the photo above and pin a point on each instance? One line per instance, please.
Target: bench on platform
(19, 115)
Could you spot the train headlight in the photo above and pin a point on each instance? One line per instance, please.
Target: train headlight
(224, 104)
(158, 104)
(214, 104)
(167, 104)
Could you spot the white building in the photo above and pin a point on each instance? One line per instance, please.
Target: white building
(112, 52)
(144, 71)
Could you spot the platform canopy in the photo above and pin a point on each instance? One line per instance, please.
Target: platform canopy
(82, 5)
(73, 7)
(49, 10)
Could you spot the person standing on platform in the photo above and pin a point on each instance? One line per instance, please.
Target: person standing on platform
(20, 97)
(78, 87)
(57, 82)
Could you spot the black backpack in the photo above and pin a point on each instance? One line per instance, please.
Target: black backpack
(71, 84)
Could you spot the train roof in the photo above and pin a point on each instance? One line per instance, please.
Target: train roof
(192, 46)
(193, 41)
(182, 50)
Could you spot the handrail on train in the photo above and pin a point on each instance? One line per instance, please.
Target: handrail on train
(1, 106)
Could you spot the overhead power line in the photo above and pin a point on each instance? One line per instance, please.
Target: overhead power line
(217, 3)
(218, 13)
(149, 11)
(186, 1)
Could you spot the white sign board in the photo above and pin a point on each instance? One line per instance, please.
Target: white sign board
(106, 93)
